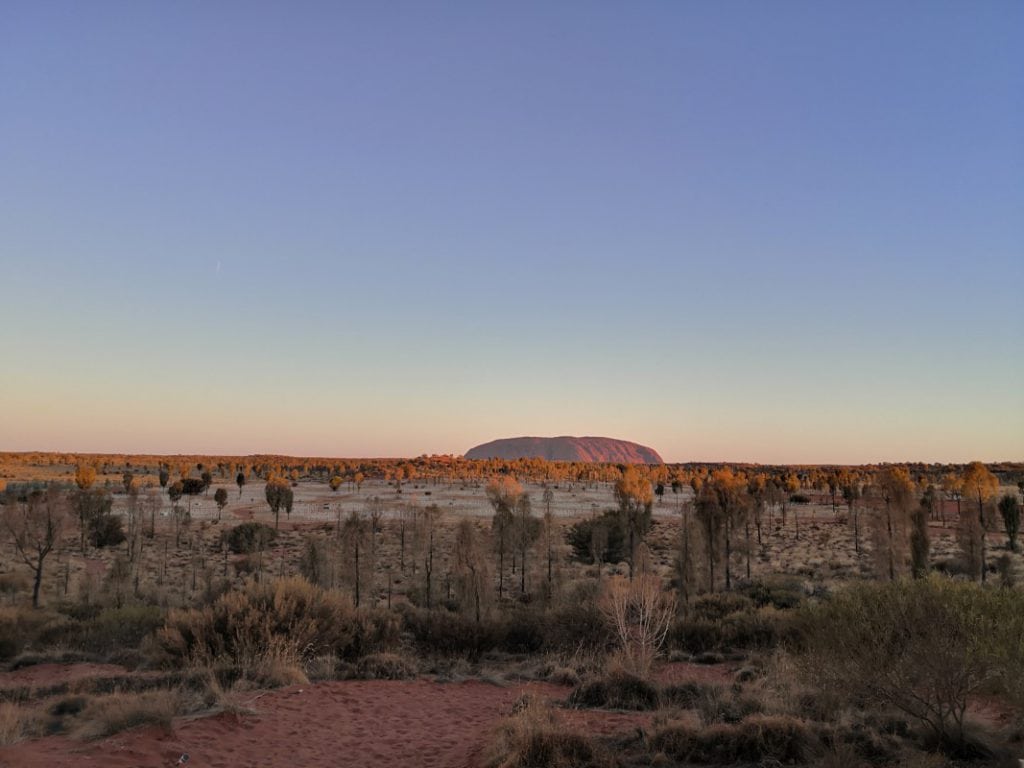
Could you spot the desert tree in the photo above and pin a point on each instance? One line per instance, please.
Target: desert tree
(634, 496)
(920, 543)
(220, 498)
(335, 483)
(91, 505)
(733, 502)
(757, 487)
(240, 481)
(355, 534)
(163, 476)
(429, 520)
(851, 495)
(549, 537)
(710, 516)
(85, 476)
(276, 492)
(471, 577)
(953, 488)
(315, 562)
(690, 566)
(180, 515)
(526, 531)
(640, 613)
(1009, 509)
(980, 486)
(720, 506)
(134, 516)
(503, 493)
(34, 526)
(598, 543)
(893, 496)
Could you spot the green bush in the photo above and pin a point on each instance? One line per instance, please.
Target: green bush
(115, 629)
(444, 633)
(580, 537)
(246, 538)
(746, 629)
(618, 690)
(756, 739)
(106, 531)
(922, 646)
(778, 592)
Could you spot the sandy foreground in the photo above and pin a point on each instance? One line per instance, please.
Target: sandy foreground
(345, 723)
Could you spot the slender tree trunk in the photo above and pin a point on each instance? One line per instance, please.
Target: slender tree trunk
(748, 549)
(522, 571)
(501, 572)
(981, 525)
(728, 555)
(37, 583)
(357, 572)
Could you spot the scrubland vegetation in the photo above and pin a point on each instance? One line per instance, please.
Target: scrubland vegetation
(672, 615)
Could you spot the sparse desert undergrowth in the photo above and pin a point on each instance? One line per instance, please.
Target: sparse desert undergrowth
(799, 666)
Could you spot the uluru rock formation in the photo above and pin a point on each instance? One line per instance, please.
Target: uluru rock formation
(589, 449)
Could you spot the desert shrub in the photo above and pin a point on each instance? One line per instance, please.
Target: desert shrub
(718, 605)
(581, 538)
(616, 690)
(800, 498)
(780, 592)
(246, 538)
(107, 715)
(373, 631)
(683, 695)
(106, 530)
(385, 666)
(286, 620)
(745, 629)
(533, 738)
(756, 739)
(718, 705)
(445, 633)
(522, 631)
(70, 705)
(9, 647)
(577, 622)
(922, 647)
(22, 628)
(116, 629)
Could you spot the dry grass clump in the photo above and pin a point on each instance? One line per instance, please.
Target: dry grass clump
(11, 723)
(106, 715)
(385, 666)
(533, 738)
(267, 625)
(756, 739)
(616, 690)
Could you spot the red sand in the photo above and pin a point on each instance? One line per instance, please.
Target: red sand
(353, 723)
(364, 724)
(46, 675)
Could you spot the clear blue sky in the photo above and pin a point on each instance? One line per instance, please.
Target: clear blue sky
(785, 232)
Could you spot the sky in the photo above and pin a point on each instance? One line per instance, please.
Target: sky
(783, 232)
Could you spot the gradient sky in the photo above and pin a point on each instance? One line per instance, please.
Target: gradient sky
(749, 231)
